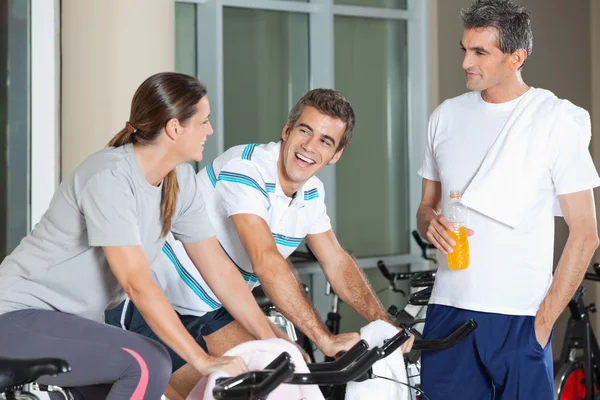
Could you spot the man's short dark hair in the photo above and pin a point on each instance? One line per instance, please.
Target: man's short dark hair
(329, 102)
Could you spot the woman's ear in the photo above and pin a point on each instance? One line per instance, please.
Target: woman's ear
(172, 129)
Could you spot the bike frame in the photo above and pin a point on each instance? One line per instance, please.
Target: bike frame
(580, 335)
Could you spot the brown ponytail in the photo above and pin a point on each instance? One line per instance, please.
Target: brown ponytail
(168, 200)
(159, 99)
(122, 138)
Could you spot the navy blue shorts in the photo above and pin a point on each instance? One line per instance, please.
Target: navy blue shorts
(198, 327)
(500, 360)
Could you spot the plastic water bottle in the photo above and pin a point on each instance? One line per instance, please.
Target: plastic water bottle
(456, 212)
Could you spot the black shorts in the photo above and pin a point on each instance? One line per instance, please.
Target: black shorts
(198, 327)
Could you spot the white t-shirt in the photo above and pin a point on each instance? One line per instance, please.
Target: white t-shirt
(243, 180)
(510, 270)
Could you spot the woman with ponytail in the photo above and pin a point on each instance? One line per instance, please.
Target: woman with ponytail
(106, 224)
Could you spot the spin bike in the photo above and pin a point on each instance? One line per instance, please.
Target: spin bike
(412, 316)
(578, 379)
(18, 377)
(354, 365)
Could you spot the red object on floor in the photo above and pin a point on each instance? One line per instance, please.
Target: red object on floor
(574, 387)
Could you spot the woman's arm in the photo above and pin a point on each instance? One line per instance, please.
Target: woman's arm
(131, 268)
(229, 286)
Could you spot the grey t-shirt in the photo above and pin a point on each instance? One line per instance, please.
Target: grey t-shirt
(106, 202)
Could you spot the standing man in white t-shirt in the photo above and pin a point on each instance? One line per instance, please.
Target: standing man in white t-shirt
(508, 287)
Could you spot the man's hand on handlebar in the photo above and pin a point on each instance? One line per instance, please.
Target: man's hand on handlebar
(344, 341)
(437, 234)
(230, 365)
(338, 343)
(407, 346)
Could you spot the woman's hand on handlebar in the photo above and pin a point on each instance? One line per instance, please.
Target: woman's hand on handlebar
(437, 234)
(232, 366)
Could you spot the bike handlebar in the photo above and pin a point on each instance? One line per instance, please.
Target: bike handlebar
(385, 271)
(594, 276)
(351, 373)
(449, 341)
(255, 384)
(258, 384)
(345, 359)
(417, 279)
(354, 365)
(424, 246)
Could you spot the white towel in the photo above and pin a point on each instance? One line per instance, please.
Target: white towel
(258, 354)
(502, 187)
(390, 367)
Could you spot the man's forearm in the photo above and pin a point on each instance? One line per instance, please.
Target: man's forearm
(351, 285)
(571, 267)
(281, 287)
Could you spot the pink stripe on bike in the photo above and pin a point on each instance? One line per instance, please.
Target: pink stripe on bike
(140, 390)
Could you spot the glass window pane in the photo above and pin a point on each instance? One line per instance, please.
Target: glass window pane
(185, 38)
(186, 44)
(266, 71)
(15, 126)
(372, 183)
(398, 4)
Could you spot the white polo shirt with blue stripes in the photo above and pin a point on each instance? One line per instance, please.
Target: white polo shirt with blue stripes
(243, 180)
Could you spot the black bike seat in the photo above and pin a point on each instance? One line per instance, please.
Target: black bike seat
(16, 372)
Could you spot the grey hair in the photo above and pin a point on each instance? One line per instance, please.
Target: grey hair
(512, 21)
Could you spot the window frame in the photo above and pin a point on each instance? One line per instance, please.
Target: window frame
(35, 163)
(209, 41)
(45, 106)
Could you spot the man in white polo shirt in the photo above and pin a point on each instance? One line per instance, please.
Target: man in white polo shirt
(264, 200)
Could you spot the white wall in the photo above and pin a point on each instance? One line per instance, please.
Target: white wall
(109, 48)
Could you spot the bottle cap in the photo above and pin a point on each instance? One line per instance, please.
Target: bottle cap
(455, 194)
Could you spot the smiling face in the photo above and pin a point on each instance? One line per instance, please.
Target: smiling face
(192, 136)
(485, 65)
(307, 147)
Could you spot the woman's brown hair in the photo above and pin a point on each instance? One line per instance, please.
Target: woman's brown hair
(160, 98)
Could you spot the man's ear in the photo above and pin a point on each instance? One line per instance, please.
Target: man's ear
(172, 128)
(517, 59)
(336, 157)
(285, 133)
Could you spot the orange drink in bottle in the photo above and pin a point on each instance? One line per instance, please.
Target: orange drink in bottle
(456, 212)
(459, 258)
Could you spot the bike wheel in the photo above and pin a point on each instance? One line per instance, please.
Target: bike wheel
(569, 382)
